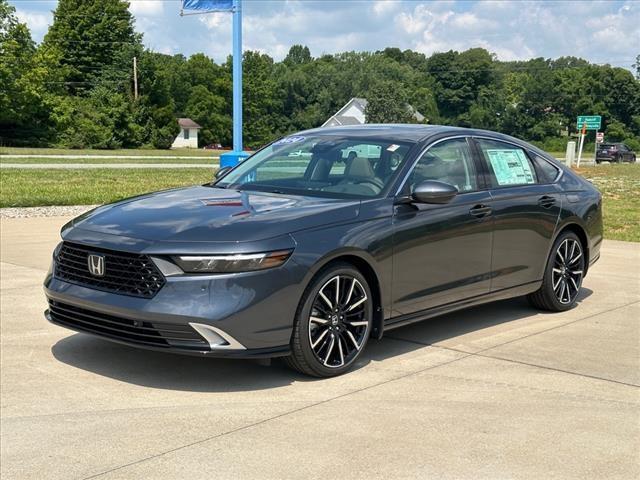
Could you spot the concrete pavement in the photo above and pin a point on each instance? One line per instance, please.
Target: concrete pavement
(498, 391)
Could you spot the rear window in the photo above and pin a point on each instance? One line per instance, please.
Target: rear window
(547, 172)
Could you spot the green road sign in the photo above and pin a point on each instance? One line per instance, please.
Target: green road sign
(594, 122)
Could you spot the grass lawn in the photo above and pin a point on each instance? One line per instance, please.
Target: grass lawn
(197, 160)
(620, 187)
(30, 188)
(180, 152)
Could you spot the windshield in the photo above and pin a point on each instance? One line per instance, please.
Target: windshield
(332, 166)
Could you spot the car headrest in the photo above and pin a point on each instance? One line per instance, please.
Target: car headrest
(360, 167)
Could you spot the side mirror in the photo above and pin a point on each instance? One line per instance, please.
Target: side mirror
(432, 191)
(222, 172)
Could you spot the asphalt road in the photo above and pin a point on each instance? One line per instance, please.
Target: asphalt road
(496, 392)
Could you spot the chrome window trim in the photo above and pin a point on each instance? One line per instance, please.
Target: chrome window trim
(480, 137)
(425, 150)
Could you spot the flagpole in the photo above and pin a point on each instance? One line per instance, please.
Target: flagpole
(231, 159)
(237, 76)
(228, 159)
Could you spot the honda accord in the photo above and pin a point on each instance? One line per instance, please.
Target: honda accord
(325, 239)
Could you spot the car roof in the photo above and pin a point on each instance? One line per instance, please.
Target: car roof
(400, 132)
(409, 132)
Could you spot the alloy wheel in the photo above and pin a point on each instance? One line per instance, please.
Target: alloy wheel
(567, 271)
(338, 323)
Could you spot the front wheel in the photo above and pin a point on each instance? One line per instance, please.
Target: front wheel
(332, 323)
(562, 277)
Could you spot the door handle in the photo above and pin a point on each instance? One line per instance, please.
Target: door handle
(481, 211)
(546, 201)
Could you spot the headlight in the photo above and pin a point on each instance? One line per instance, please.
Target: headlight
(242, 262)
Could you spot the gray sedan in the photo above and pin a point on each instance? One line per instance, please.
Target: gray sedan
(326, 238)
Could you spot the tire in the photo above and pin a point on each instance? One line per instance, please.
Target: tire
(326, 341)
(566, 276)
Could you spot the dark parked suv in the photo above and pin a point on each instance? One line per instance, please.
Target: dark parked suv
(326, 238)
(614, 152)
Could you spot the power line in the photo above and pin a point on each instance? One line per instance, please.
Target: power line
(97, 42)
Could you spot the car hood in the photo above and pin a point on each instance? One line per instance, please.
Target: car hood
(205, 214)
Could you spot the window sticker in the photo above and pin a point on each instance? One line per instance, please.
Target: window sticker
(289, 140)
(393, 148)
(511, 167)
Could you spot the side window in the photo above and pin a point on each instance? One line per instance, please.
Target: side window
(449, 162)
(547, 172)
(508, 165)
(186, 134)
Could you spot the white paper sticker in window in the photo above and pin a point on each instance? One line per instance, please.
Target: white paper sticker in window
(393, 148)
(511, 167)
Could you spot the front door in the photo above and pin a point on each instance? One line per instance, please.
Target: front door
(442, 253)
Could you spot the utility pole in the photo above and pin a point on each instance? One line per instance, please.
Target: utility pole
(135, 78)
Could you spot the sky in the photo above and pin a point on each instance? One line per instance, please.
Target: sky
(599, 31)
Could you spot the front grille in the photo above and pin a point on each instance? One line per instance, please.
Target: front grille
(154, 334)
(124, 273)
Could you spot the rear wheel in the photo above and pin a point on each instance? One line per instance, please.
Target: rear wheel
(563, 275)
(333, 322)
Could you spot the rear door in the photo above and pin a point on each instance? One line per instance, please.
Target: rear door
(442, 253)
(526, 207)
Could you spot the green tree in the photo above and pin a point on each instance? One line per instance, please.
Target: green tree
(458, 79)
(208, 110)
(387, 104)
(24, 110)
(87, 37)
(262, 105)
(298, 55)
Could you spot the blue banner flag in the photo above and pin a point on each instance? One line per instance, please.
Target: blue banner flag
(204, 6)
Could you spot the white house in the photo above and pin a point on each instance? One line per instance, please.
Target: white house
(188, 136)
(353, 114)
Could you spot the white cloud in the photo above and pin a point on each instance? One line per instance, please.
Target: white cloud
(422, 19)
(383, 7)
(38, 23)
(153, 8)
(215, 20)
(600, 31)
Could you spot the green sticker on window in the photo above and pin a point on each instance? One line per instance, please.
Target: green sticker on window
(511, 167)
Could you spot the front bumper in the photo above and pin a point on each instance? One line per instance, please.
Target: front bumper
(245, 315)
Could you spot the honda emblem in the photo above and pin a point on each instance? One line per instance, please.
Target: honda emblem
(96, 265)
